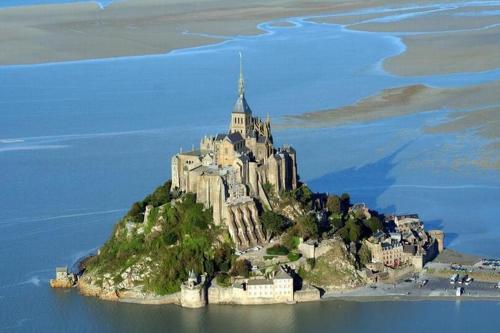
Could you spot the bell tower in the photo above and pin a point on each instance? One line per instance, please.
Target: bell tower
(241, 117)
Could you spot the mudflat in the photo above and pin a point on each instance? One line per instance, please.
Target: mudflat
(438, 41)
(401, 101)
(78, 31)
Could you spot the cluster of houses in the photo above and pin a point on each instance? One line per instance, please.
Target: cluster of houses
(405, 242)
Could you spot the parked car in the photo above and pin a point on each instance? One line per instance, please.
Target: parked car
(468, 280)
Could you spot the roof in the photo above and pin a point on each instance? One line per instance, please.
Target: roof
(241, 105)
(281, 275)
(412, 249)
(62, 269)
(259, 282)
(195, 152)
(407, 216)
(234, 137)
(220, 136)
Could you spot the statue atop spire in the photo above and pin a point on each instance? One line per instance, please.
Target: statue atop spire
(241, 81)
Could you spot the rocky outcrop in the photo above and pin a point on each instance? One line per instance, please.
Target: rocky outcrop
(87, 286)
(63, 283)
(334, 267)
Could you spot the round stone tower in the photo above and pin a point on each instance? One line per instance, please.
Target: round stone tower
(438, 235)
(193, 293)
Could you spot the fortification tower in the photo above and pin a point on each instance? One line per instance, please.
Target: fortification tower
(438, 235)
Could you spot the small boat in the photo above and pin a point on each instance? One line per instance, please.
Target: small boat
(459, 291)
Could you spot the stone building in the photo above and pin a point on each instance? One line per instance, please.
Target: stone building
(63, 279)
(278, 289)
(193, 292)
(229, 172)
(405, 242)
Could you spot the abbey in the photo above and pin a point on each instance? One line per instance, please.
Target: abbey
(230, 171)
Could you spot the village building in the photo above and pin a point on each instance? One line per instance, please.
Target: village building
(404, 242)
(257, 290)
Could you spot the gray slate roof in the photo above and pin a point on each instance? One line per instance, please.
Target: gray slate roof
(235, 137)
(259, 282)
(241, 105)
(282, 275)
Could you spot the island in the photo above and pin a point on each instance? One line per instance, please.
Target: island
(236, 225)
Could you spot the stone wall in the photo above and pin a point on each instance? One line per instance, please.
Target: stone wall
(193, 297)
(307, 294)
(438, 235)
(220, 295)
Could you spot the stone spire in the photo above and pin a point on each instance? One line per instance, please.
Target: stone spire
(241, 81)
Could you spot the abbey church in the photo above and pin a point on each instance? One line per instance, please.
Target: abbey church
(230, 171)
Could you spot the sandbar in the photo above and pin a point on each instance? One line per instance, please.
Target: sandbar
(401, 101)
(439, 42)
(79, 31)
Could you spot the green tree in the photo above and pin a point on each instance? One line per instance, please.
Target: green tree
(365, 255)
(291, 239)
(274, 223)
(222, 258)
(355, 232)
(304, 195)
(277, 250)
(307, 227)
(374, 223)
(345, 203)
(160, 196)
(333, 204)
(241, 268)
(337, 222)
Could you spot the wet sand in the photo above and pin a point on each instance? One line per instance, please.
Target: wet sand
(433, 21)
(445, 41)
(401, 101)
(472, 113)
(448, 53)
(76, 31)
(449, 256)
(484, 122)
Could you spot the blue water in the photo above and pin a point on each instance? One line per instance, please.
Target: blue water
(81, 141)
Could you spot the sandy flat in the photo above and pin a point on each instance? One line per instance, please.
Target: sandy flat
(484, 122)
(475, 114)
(51, 33)
(401, 101)
(471, 51)
(453, 19)
(447, 41)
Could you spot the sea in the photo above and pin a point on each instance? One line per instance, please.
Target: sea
(81, 141)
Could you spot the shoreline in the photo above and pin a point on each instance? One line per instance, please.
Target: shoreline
(480, 290)
(328, 296)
